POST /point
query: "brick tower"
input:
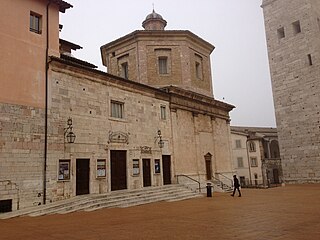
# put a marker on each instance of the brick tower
(293, 39)
(159, 58)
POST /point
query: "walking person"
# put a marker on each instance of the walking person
(236, 186)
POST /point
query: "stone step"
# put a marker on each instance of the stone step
(120, 198)
(116, 196)
(145, 200)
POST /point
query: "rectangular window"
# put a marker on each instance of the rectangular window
(252, 146)
(64, 170)
(136, 168)
(163, 65)
(157, 165)
(35, 23)
(280, 33)
(198, 70)
(5, 205)
(117, 109)
(254, 162)
(238, 143)
(240, 162)
(296, 27)
(310, 60)
(125, 70)
(101, 168)
(163, 112)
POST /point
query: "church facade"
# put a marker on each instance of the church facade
(78, 130)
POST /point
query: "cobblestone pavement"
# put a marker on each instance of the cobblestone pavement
(291, 212)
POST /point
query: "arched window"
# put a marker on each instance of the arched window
(252, 146)
(274, 149)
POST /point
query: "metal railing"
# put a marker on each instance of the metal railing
(190, 178)
(225, 177)
(222, 184)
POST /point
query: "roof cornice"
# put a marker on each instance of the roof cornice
(141, 34)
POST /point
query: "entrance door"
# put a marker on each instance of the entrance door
(82, 177)
(146, 172)
(166, 165)
(118, 164)
(276, 176)
(208, 158)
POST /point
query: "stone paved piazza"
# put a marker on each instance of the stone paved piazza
(291, 212)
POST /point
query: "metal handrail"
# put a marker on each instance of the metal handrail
(223, 185)
(182, 175)
(226, 178)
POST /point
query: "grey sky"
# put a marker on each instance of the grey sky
(235, 27)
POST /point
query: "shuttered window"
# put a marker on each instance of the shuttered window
(117, 109)
(163, 65)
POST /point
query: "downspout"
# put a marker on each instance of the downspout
(46, 108)
(248, 160)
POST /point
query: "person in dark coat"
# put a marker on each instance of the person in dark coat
(236, 186)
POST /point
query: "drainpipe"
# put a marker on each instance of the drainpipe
(248, 160)
(46, 108)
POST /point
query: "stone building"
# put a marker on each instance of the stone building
(293, 39)
(256, 156)
(67, 129)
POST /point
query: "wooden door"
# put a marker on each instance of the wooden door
(208, 158)
(166, 166)
(146, 172)
(118, 165)
(276, 176)
(82, 176)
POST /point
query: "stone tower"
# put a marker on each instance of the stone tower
(159, 58)
(293, 39)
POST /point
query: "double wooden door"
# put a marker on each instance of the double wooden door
(166, 166)
(118, 164)
(146, 172)
(82, 176)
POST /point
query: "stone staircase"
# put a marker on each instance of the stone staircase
(121, 198)
(221, 187)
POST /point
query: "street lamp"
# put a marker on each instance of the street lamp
(68, 133)
(160, 142)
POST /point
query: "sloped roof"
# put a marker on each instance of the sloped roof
(62, 5)
(77, 61)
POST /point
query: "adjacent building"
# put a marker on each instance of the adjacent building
(68, 129)
(293, 39)
(256, 156)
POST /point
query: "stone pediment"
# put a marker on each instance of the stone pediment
(145, 149)
(118, 137)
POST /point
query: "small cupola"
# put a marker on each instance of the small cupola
(154, 21)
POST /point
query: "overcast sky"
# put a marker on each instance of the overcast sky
(235, 27)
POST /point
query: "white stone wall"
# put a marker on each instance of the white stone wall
(87, 101)
(85, 97)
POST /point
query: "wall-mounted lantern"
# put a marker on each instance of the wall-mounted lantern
(160, 142)
(68, 133)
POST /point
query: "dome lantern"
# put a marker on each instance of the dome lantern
(154, 21)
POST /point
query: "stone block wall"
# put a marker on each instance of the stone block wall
(293, 39)
(87, 99)
(21, 154)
